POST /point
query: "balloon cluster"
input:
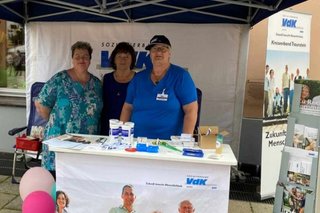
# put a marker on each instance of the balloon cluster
(38, 191)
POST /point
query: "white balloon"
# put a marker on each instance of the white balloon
(35, 179)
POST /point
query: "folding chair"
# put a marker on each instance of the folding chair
(24, 145)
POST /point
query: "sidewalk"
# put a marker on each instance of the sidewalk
(10, 201)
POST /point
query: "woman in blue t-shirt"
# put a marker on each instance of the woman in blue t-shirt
(161, 101)
(115, 84)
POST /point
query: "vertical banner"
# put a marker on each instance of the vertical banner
(287, 60)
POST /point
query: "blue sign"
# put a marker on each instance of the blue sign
(142, 59)
(289, 23)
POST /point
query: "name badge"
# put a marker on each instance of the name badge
(162, 96)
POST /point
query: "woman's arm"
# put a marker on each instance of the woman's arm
(43, 111)
(190, 117)
(126, 112)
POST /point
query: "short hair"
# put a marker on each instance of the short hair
(123, 47)
(271, 71)
(65, 195)
(185, 201)
(126, 186)
(81, 45)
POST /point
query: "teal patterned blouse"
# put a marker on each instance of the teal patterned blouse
(75, 109)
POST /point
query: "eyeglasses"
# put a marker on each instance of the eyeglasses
(162, 49)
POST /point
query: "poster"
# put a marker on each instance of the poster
(104, 182)
(94, 178)
(273, 141)
(287, 60)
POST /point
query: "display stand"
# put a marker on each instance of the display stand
(297, 187)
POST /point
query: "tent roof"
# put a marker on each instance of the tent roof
(144, 11)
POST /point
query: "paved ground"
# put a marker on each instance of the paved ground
(10, 201)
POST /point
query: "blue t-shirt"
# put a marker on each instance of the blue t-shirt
(157, 109)
(114, 95)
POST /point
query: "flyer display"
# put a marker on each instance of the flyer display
(296, 188)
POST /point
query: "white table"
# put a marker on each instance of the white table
(93, 179)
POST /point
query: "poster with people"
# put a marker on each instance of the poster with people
(287, 60)
(111, 183)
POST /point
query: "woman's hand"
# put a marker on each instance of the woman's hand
(43, 111)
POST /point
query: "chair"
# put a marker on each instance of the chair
(199, 95)
(277, 107)
(23, 144)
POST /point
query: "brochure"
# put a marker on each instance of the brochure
(305, 137)
(294, 198)
(310, 97)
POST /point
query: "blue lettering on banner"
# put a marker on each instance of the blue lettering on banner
(105, 59)
(143, 59)
(289, 23)
(198, 181)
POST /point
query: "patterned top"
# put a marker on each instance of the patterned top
(75, 109)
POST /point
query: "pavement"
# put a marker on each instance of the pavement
(10, 201)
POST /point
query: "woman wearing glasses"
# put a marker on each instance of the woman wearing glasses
(71, 101)
(161, 101)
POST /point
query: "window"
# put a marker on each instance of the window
(12, 60)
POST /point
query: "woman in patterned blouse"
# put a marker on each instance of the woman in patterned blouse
(71, 101)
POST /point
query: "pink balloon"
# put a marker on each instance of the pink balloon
(38, 202)
(35, 179)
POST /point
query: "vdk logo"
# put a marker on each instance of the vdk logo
(289, 23)
(197, 181)
(142, 59)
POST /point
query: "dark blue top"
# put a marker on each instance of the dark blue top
(114, 95)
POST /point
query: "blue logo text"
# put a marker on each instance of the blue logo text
(289, 23)
(198, 181)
